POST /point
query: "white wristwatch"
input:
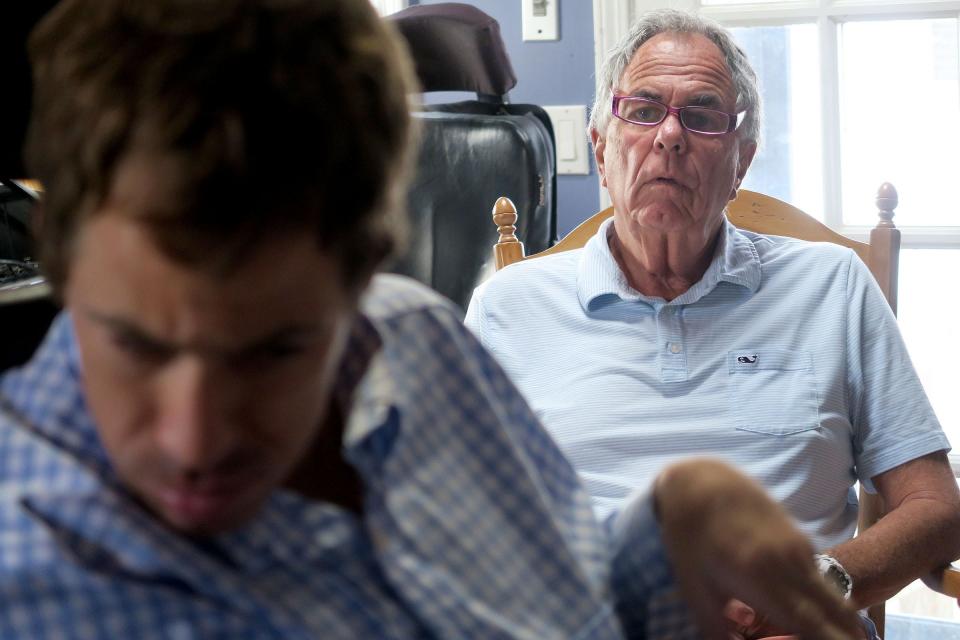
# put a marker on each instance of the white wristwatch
(834, 573)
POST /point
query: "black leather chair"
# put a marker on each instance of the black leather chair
(472, 151)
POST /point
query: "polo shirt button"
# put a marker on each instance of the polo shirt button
(675, 347)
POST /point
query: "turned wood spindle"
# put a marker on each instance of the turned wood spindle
(508, 248)
(884, 260)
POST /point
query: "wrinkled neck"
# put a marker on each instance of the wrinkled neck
(663, 265)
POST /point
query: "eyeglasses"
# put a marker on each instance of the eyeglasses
(649, 113)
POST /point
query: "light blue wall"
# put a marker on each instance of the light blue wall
(553, 73)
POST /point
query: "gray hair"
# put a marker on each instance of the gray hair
(673, 21)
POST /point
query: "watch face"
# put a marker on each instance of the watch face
(838, 578)
(835, 574)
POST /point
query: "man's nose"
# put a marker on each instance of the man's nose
(671, 136)
(194, 428)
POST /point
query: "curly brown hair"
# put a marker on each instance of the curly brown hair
(279, 115)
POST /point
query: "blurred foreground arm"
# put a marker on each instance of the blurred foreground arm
(725, 540)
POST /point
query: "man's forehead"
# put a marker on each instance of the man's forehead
(286, 284)
(212, 344)
(671, 56)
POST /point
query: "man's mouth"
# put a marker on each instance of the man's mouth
(188, 506)
(665, 181)
(204, 502)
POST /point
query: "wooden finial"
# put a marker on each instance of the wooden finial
(508, 248)
(505, 217)
(885, 245)
(887, 201)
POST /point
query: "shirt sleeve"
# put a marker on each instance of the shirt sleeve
(482, 520)
(472, 319)
(646, 598)
(892, 418)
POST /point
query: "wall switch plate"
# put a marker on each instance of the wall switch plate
(540, 19)
(570, 133)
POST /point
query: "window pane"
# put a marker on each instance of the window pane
(916, 599)
(927, 314)
(900, 118)
(386, 7)
(789, 163)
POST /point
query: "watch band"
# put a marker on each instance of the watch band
(834, 573)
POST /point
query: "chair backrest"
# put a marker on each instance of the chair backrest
(471, 151)
(770, 216)
(750, 210)
(457, 47)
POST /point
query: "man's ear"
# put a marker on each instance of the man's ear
(599, 146)
(747, 150)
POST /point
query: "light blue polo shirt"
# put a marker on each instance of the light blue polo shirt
(785, 360)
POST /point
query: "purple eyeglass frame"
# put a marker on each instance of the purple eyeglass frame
(733, 119)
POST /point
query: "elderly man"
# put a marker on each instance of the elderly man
(673, 333)
(235, 431)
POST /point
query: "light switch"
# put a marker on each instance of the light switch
(570, 133)
(566, 149)
(540, 19)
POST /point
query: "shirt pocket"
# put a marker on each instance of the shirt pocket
(773, 391)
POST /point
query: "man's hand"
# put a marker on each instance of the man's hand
(727, 540)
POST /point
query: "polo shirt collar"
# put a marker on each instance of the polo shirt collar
(600, 279)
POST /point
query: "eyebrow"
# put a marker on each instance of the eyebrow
(705, 100)
(649, 95)
(708, 100)
(119, 325)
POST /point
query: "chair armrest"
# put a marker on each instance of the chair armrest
(945, 581)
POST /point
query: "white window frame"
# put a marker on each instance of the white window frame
(386, 7)
(612, 19)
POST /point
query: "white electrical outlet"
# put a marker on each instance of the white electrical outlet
(540, 19)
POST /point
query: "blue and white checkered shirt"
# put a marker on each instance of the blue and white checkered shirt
(474, 524)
